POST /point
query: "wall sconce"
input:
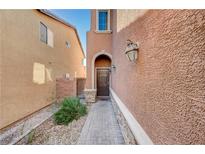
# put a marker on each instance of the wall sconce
(131, 50)
(113, 67)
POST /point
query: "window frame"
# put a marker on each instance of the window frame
(46, 42)
(97, 20)
(68, 44)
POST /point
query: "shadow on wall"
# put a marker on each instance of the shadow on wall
(41, 74)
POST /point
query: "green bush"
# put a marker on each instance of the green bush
(71, 109)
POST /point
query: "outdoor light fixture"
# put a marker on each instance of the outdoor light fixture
(131, 50)
(113, 67)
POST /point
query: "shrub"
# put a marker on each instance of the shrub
(70, 110)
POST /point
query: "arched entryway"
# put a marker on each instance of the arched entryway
(102, 64)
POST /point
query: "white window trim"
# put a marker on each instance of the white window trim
(103, 31)
(97, 26)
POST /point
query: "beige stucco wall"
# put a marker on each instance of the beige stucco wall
(96, 42)
(29, 67)
(125, 17)
(166, 84)
(0, 65)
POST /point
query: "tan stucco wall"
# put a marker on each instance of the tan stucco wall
(0, 66)
(30, 67)
(96, 42)
(125, 17)
(166, 85)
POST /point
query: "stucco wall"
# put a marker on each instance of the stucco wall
(167, 83)
(125, 17)
(30, 67)
(96, 42)
(0, 65)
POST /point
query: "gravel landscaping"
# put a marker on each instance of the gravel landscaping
(48, 133)
(126, 132)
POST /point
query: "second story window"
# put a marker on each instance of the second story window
(67, 43)
(103, 20)
(46, 35)
(43, 33)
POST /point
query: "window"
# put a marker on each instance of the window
(43, 33)
(67, 43)
(46, 35)
(103, 20)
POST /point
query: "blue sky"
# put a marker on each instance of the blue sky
(79, 18)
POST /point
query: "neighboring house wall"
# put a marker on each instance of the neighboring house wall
(29, 66)
(96, 42)
(166, 91)
(0, 65)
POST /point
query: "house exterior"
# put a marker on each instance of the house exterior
(161, 94)
(36, 48)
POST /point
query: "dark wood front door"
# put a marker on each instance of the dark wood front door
(103, 82)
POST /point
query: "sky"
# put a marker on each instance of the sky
(80, 18)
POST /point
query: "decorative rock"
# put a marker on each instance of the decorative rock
(90, 95)
(16, 132)
(126, 132)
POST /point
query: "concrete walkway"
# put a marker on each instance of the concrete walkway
(101, 126)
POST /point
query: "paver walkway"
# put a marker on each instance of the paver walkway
(101, 126)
